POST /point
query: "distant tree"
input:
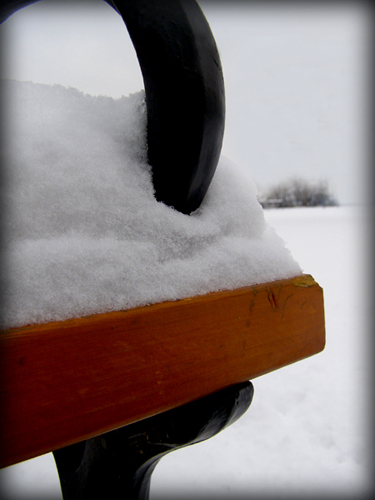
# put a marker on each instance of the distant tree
(298, 193)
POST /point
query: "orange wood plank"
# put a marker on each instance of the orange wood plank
(66, 381)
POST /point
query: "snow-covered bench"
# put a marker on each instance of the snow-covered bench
(110, 393)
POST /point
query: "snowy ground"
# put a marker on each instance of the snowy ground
(307, 431)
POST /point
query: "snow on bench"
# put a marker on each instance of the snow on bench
(84, 232)
(85, 238)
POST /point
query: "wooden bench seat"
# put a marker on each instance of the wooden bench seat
(68, 381)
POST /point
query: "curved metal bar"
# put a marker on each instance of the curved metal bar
(184, 93)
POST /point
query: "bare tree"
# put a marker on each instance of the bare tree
(298, 193)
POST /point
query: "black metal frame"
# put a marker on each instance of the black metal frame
(119, 464)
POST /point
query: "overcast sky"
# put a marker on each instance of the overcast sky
(295, 77)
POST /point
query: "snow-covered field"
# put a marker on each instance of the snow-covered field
(307, 432)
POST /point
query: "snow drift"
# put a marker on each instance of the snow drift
(83, 232)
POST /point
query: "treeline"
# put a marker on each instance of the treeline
(297, 193)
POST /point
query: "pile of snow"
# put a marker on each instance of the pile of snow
(83, 232)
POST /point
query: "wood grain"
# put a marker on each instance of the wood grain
(66, 381)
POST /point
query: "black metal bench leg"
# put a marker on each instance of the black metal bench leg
(119, 464)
